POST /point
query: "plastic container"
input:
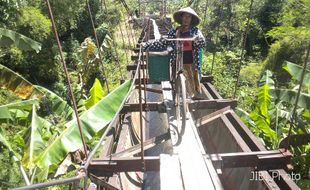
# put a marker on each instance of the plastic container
(158, 66)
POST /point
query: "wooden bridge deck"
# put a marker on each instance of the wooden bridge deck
(192, 170)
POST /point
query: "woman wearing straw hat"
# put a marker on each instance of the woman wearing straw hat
(188, 20)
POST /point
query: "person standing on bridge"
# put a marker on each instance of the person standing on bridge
(192, 50)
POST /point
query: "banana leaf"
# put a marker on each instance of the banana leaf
(289, 96)
(264, 98)
(14, 82)
(92, 121)
(296, 72)
(35, 143)
(9, 37)
(16, 109)
(96, 94)
(59, 105)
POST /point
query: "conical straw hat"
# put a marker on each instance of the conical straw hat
(177, 16)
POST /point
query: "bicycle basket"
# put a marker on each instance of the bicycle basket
(159, 66)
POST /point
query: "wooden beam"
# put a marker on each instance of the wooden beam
(206, 79)
(150, 106)
(102, 167)
(201, 122)
(147, 81)
(211, 104)
(133, 67)
(147, 145)
(101, 182)
(261, 160)
(136, 57)
(212, 91)
(150, 89)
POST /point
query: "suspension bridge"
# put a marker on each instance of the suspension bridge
(144, 147)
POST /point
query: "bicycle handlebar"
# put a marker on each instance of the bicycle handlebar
(180, 39)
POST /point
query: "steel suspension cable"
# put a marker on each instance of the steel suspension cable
(243, 46)
(98, 45)
(67, 76)
(293, 116)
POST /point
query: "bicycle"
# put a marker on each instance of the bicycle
(178, 79)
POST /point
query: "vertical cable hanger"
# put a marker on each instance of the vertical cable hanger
(98, 45)
(67, 76)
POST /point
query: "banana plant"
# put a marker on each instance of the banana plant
(93, 121)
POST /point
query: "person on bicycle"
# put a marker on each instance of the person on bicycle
(188, 20)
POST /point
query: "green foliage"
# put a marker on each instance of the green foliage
(34, 24)
(281, 51)
(295, 22)
(96, 94)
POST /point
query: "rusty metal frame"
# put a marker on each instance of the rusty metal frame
(150, 106)
(151, 89)
(212, 91)
(206, 79)
(147, 145)
(101, 182)
(106, 167)
(238, 129)
(133, 67)
(260, 160)
(211, 104)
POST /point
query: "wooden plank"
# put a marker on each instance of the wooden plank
(206, 92)
(187, 145)
(170, 173)
(212, 91)
(150, 106)
(133, 67)
(211, 104)
(206, 78)
(235, 134)
(147, 144)
(102, 182)
(262, 160)
(202, 122)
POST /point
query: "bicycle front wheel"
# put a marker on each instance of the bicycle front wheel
(181, 104)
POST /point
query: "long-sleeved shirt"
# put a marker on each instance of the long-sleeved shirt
(162, 44)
